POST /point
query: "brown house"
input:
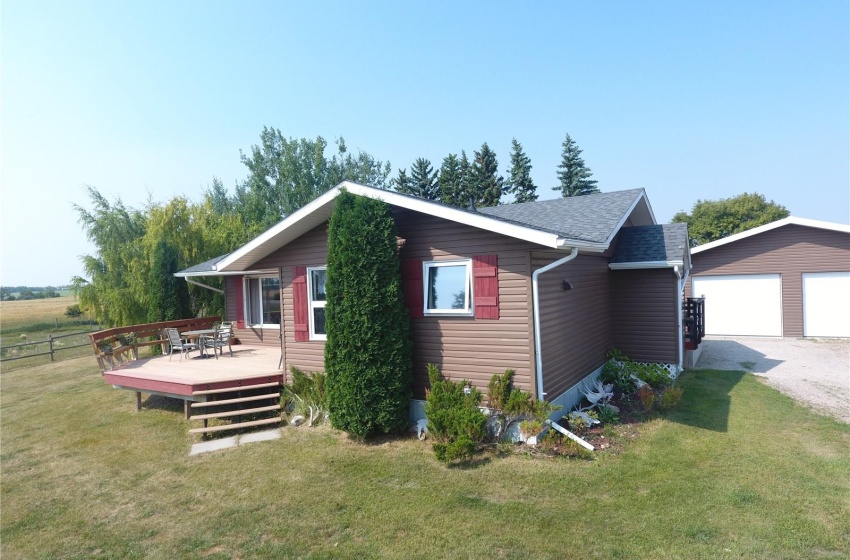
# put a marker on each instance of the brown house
(787, 278)
(545, 288)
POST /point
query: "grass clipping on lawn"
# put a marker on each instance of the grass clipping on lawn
(737, 470)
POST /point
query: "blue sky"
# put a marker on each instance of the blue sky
(153, 99)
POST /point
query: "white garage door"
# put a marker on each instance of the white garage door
(745, 304)
(826, 304)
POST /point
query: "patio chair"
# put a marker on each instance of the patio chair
(177, 344)
(221, 339)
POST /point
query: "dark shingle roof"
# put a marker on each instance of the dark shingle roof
(665, 242)
(591, 217)
(206, 266)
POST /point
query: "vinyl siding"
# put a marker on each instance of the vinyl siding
(576, 325)
(257, 337)
(646, 315)
(790, 251)
(465, 347)
(311, 249)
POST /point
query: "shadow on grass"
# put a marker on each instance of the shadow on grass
(706, 401)
(159, 402)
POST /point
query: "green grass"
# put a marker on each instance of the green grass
(737, 471)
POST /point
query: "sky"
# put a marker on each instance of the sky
(148, 100)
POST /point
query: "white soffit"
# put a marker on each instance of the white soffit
(319, 211)
(790, 220)
(645, 265)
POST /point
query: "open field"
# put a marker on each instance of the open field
(737, 471)
(17, 314)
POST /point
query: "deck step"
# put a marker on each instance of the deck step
(224, 427)
(239, 400)
(235, 412)
(234, 389)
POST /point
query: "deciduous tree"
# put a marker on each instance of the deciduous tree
(710, 220)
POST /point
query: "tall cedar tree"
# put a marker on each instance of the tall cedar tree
(169, 295)
(573, 174)
(449, 181)
(710, 220)
(368, 353)
(519, 182)
(403, 183)
(424, 180)
(487, 184)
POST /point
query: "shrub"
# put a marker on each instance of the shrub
(608, 415)
(73, 311)
(669, 397)
(614, 372)
(509, 405)
(647, 397)
(306, 395)
(455, 421)
(368, 351)
(579, 422)
(654, 374)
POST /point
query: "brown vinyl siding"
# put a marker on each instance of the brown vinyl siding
(646, 315)
(577, 330)
(465, 347)
(789, 251)
(311, 249)
(248, 335)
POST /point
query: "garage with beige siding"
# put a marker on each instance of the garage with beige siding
(788, 278)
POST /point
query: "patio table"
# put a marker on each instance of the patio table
(199, 336)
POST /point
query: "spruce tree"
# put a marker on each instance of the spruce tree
(403, 183)
(368, 353)
(573, 174)
(488, 185)
(423, 179)
(519, 181)
(466, 180)
(168, 296)
(449, 181)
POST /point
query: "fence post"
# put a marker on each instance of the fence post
(50, 343)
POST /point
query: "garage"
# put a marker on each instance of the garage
(787, 278)
(826, 304)
(741, 304)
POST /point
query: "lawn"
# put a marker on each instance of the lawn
(737, 471)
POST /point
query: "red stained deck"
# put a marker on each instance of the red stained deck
(249, 365)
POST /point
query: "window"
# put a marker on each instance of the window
(448, 287)
(262, 302)
(317, 299)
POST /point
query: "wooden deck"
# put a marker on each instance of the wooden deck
(192, 376)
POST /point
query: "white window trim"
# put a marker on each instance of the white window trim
(469, 310)
(311, 305)
(246, 288)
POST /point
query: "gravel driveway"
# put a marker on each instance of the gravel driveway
(814, 372)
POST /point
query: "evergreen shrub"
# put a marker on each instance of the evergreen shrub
(455, 421)
(368, 353)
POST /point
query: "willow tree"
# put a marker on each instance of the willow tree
(368, 353)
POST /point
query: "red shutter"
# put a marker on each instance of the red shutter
(299, 304)
(411, 275)
(485, 273)
(239, 288)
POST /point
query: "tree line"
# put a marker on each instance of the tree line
(7, 293)
(463, 182)
(129, 278)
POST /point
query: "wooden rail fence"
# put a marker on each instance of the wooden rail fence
(51, 351)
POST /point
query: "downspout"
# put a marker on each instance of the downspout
(535, 296)
(681, 291)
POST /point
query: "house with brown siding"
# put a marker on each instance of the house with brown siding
(788, 278)
(544, 288)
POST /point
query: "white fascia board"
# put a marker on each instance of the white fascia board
(646, 264)
(230, 273)
(790, 220)
(257, 248)
(641, 196)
